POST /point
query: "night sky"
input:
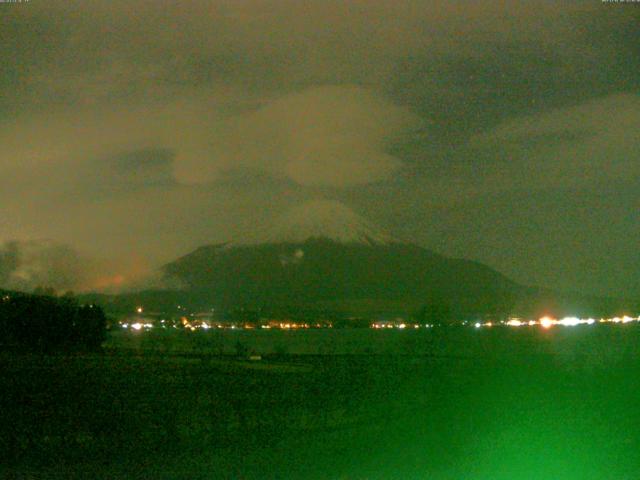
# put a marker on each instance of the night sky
(507, 132)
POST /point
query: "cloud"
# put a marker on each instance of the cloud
(27, 265)
(325, 136)
(596, 142)
(93, 52)
(330, 136)
(30, 264)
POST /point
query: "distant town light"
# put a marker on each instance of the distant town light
(570, 321)
(198, 323)
(547, 322)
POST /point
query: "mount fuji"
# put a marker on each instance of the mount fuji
(324, 254)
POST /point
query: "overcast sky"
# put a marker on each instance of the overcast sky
(504, 131)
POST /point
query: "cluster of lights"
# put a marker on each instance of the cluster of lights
(294, 325)
(548, 322)
(286, 325)
(193, 326)
(137, 326)
(399, 326)
(202, 325)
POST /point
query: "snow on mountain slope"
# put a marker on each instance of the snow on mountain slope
(323, 219)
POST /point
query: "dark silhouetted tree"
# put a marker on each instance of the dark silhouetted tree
(91, 326)
(46, 323)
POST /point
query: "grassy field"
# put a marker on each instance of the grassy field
(563, 406)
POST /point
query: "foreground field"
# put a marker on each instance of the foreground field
(500, 405)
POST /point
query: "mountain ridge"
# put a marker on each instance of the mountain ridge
(323, 277)
(320, 269)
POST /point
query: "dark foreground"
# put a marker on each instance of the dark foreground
(567, 411)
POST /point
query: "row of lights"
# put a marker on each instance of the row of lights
(206, 326)
(545, 322)
(401, 326)
(548, 322)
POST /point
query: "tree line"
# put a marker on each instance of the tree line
(49, 323)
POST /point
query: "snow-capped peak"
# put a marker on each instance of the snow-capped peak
(323, 219)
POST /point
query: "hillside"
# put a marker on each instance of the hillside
(324, 271)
